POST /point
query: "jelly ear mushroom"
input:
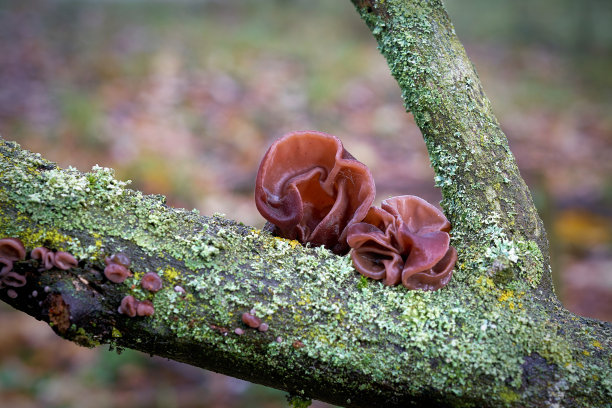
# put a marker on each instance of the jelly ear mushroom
(12, 249)
(129, 306)
(145, 308)
(64, 260)
(151, 282)
(312, 189)
(116, 269)
(45, 256)
(407, 241)
(118, 258)
(116, 273)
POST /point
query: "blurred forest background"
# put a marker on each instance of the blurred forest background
(184, 97)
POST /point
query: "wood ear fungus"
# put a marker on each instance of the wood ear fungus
(312, 189)
(116, 269)
(12, 249)
(407, 241)
(151, 282)
(129, 306)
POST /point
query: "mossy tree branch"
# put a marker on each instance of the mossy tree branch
(495, 336)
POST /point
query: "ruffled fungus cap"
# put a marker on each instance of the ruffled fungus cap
(312, 189)
(407, 241)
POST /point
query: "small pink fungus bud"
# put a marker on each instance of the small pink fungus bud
(238, 331)
(11, 293)
(250, 320)
(179, 289)
(128, 306)
(116, 273)
(145, 308)
(263, 327)
(151, 282)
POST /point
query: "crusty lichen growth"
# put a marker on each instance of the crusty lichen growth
(468, 344)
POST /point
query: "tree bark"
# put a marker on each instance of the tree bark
(495, 336)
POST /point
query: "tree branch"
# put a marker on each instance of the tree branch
(495, 336)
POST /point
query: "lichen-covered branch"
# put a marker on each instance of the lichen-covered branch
(332, 335)
(495, 336)
(496, 227)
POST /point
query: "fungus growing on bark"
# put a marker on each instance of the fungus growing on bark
(145, 308)
(12, 249)
(13, 279)
(407, 241)
(151, 282)
(64, 260)
(129, 306)
(116, 269)
(312, 189)
(118, 258)
(45, 256)
(6, 265)
(251, 320)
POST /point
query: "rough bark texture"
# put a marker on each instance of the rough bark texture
(495, 336)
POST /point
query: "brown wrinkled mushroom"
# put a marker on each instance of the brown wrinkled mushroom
(12, 248)
(151, 282)
(312, 189)
(129, 306)
(116, 273)
(145, 308)
(407, 241)
(45, 256)
(64, 260)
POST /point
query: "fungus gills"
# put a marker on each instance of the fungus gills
(312, 189)
(407, 241)
(151, 282)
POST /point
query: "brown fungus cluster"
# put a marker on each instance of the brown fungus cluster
(253, 322)
(407, 241)
(49, 259)
(312, 189)
(11, 250)
(131, 307)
